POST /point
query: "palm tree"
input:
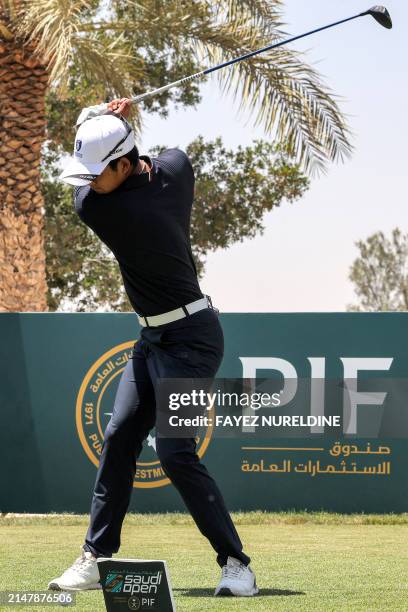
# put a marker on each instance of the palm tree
(88, 50)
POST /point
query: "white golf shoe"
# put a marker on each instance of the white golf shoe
(83, 575)
(236, 579)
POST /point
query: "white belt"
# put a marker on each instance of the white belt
(175, 315)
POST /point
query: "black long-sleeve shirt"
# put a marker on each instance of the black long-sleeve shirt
(146, 225)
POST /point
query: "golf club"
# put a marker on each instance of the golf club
(380, 14)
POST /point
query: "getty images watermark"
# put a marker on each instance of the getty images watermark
(277, 408)
(199, 398)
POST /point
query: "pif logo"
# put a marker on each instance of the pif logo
(78, 144)
(94, 406)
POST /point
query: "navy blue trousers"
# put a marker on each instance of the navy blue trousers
(190, 347)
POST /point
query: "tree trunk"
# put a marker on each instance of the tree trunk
(23, 84)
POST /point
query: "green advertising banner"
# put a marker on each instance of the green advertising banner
(59, 375)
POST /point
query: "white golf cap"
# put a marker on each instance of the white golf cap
(97, 142)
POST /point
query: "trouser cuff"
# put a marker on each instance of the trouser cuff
(95, 552)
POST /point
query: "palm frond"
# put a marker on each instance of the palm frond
(8, 8)
(55, 27)
(7, 15)
(266, 14)
(104, 59)
(282, 93)
(52, 26)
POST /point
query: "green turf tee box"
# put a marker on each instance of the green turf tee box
(135, 584)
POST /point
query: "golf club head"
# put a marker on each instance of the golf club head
(381, 15)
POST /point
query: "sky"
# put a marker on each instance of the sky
(302, 261)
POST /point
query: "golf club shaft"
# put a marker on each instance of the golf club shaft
(203, 73)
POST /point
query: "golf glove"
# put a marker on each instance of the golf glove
(92, 111)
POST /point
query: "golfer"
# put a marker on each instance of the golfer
(140, 208)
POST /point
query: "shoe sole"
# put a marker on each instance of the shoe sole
(224, 592)
(53, 586)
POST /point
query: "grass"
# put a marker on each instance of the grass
(303, 561)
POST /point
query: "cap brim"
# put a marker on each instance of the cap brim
(79, 174)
